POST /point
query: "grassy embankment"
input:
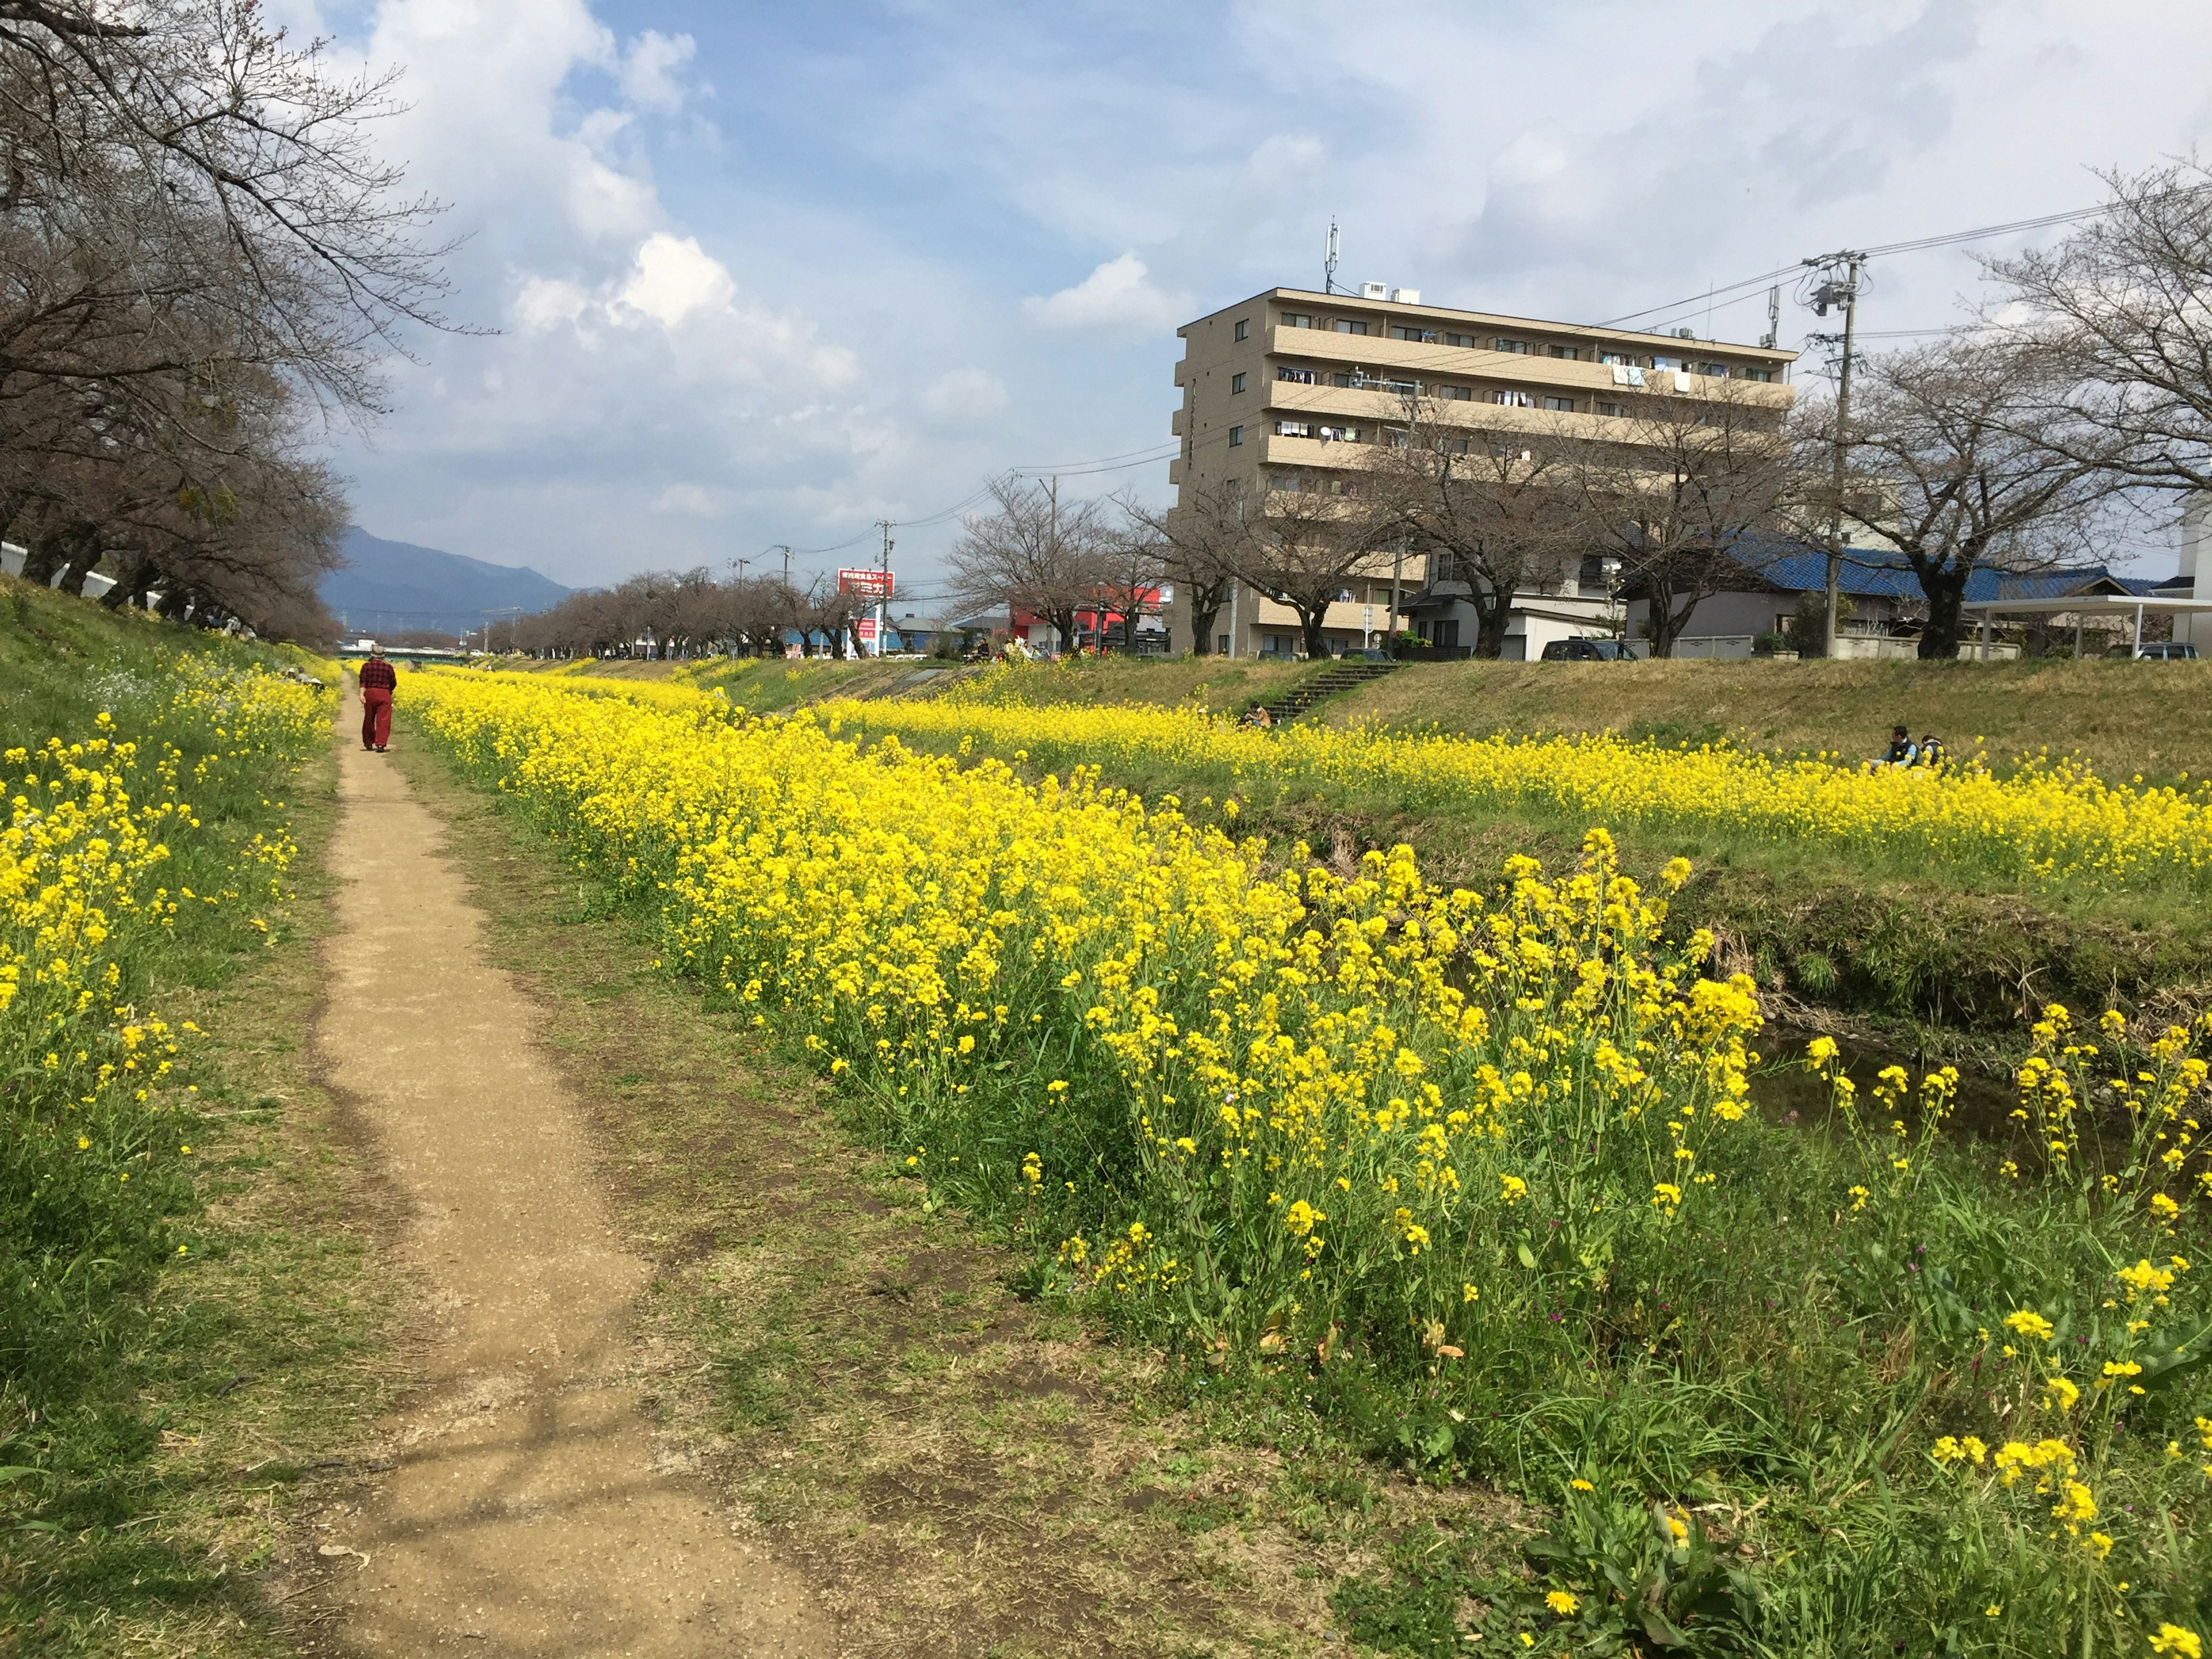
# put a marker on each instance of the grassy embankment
(954, 1466)
(1908, 942)
(1795, 1349)
(191, 1338)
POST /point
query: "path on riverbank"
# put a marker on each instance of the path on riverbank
(523, 1513)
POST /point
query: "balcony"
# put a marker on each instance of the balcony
(1384, 359)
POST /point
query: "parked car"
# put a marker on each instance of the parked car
(1589, 651)
(2169, 651)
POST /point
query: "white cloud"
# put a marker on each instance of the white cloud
(1120, 295)
(649, 71)
(965, 395)
(676, 278)
(683, 501)
(544, 301)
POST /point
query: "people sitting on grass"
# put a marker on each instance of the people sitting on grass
(1257, 715)
(1902, 751)
(1926, 754)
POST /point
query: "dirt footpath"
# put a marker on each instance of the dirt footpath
(523, 1514)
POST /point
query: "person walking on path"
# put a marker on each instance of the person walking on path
(379, 680)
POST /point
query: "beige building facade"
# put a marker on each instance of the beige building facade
(1296, 390)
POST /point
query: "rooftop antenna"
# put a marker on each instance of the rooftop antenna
(1773, 317)
(1329, 265)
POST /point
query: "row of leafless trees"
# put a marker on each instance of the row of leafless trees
(2082, 393)
(690, 614)
(202, 260)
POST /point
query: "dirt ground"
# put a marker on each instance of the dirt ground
(525, 1511)
(700, 1374)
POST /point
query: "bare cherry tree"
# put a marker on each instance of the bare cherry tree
(1495, 509)
(1204, 542)
(1682, 477)
(2123, 304)
(1965, 454)
(1030, 554)
(1131, 565)
(1312, 537)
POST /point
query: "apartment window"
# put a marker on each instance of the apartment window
(1621, 357)
(1244, 327)
(1236, 383)
(1569, 353)
(1560, 405)
(1338, 434)
(1759, 374)
(1223, 640)
(1611, 409)
(1667, 362)
(1517, 347)
(1458, 394)
(1343, 487)
(1294, 429)
(1465, 340)
(1350, 325)
(1297, 320)
(1451, 445)
(1339, 379)
(1296, 376)
(1236, 436)
(1399, 333)
(1714, 371)
(1394, 437)
(1515, 399)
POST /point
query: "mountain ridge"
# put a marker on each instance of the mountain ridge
(399, 586)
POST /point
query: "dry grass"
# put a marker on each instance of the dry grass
(2125, 717)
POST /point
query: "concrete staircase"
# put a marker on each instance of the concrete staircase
(1341, 676)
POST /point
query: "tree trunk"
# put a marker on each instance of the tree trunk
(132, 585)
(80, 566)
(1491, 622)
(47, 554)
(1309, 622)
(1946, 588)
(1201, 625)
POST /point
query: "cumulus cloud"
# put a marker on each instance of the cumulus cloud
(965, 395)
(1118, 296)
(676, 278)
(649, 72)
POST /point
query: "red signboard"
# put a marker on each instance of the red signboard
(876, 584)
(866, 627)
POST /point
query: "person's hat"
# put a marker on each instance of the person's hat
(378, 650)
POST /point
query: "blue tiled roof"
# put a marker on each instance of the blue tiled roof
(1797, 567)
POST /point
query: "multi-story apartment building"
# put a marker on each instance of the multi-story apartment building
(1296, 389)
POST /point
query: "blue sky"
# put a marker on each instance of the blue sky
(768, 273)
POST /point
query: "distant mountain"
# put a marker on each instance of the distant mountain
(395, 587)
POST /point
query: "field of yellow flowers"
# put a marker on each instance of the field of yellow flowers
(2045, 826)
(134, 845)
(1475, 1177)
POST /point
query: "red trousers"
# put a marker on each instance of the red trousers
(375, 717)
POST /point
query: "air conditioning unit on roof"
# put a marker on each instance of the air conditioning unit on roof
(1406, 296)
(1375, 290)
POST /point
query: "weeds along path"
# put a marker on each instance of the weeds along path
(524, 1513)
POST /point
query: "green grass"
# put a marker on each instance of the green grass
(1774, 1372)
(162, 1410)
(1903, 943)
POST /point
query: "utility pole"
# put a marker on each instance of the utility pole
(1052, 551)
(882, 598)
(1397, 571)
(1845, 293)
